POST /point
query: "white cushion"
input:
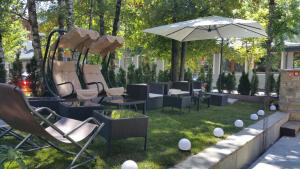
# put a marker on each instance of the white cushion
(154, 95)
(177, 92)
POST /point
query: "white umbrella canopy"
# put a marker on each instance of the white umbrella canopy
(211, 27)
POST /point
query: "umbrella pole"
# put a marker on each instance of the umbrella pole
(221, 67)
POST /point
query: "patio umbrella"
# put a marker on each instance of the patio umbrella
(211, 27)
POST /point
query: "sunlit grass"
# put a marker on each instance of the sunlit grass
(165, 130)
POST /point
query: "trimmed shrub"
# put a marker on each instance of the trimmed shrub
(208, 79)
(272, 83)
(139, 76)
(164, 76)
(221, 82)
(254, 83)
(244, 85)
(121, 78)
(188, 75)
(230, 82)
(278, 84)
(201, 75)
(16, 71)
(153, 73)
(111, 78)
(131, 74)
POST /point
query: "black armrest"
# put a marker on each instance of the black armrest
(97, 84)
(138, 91)
(73, 90)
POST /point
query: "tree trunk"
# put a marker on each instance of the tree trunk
(91, 14)
(70, 14)
(174, 62)
(102, 25)
(116, 27)
(182, 61)
(61, 24)
(117, 18)
(269, 41)
(36, 42)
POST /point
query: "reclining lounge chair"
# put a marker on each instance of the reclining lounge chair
(67, 82)
(94, 80)
(17, 113)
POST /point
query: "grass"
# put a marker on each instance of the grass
(165, 129)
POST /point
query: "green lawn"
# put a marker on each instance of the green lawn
(165, 130)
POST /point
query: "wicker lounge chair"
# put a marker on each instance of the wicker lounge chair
(67, 82)
(17, 113)
(94, 80)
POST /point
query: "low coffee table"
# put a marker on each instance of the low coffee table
(120, 103)
(218, 99)
(79, 110)
(177, 101)
(122, 124)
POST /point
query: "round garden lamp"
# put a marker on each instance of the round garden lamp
(261, 112)
(184, 144)
(254, 117)
(129, 164)
(273, 107)
(218, 132)
(239, 123)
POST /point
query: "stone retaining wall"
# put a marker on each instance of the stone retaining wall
(241, 149)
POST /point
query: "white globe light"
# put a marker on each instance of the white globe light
(184, 144)
(218, 132)
(261, 112)
(254, 117)
(239, 123)
(129, 164)
(273, 107)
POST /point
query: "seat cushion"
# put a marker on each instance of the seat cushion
(87, 94)
(66, 125)
(154, 95)
(117, 91)
(177, 92)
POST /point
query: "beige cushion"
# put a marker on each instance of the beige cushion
(86, 94)
(66, 72)
(116, 91)
(92, 73)
(66, 125)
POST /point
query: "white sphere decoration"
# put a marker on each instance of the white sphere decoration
(261, 112)
(273, 107)
(254, 117)
(218, 132)
(184, 144)
(239, 123)
(129, 164)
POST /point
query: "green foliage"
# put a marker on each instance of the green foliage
(221, 82)
(254, 83)
(164, 76)
(111, 78)
(208, 79)
(9, 155)
(147, 73)
(244, 85)
(121, 78)
(230, 82)
(16, 71)
(201, 76)
(2, 72)
(131, 74)
(188, 75)
(139, 76)
(34, 77)
(272, 83)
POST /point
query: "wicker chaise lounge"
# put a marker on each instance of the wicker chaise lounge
(17, 113)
